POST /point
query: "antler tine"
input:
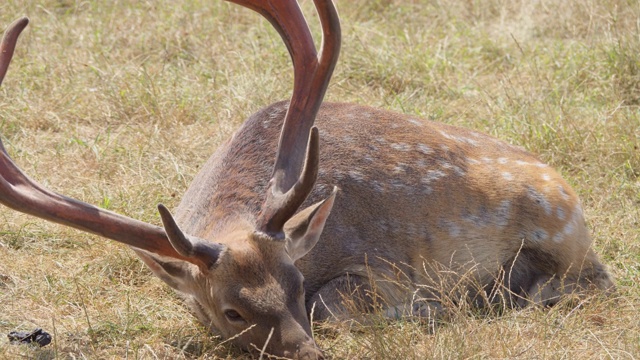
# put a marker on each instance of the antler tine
(9, 44)
(20, 193)
(294, 173)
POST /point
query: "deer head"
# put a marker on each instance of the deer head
(242, 281)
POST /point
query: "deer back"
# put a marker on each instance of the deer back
(411, 191)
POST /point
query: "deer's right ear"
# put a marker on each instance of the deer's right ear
(303, 230)
(174, 273)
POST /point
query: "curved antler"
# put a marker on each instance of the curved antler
(9, 44)
(20, 193)
(296, 166)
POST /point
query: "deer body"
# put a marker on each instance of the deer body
(414, 194)
(424, 210)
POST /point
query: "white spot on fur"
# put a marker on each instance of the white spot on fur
(561, 213)
(469, 141)
(503, 213)
(454, 230)
(401, 146)
(451, 227)
(398, 184)
(400, 168)
(415, 122)
(483, 216)
(356, 176)
(571, 226)
(487, 160)
(444, 147)
(377, 186)
(546, 177)
(502, 160)
(424, 149)
(507, 176)
(433, 175)
(458, 170)
(473, 161)
(447, 136)
(320, 188)
(539, 199)
(380, 140)
(382, 225)
(460, 139)
(539, 235)
(563, 193)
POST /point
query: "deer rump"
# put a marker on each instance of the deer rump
(416, 197)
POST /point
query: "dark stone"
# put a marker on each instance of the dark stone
(38, 336)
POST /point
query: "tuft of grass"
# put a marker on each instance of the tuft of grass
(119, 104)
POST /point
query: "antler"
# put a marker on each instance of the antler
(296, 167)
(20, 193)
(9, 44)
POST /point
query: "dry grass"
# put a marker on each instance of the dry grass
(119, 104)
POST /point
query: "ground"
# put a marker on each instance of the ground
(119, 103)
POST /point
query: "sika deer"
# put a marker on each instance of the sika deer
(415, 198)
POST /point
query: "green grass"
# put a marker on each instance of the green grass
(119, 103)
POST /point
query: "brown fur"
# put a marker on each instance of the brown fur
(413, 192)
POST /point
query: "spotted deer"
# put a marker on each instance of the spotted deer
(416, 207)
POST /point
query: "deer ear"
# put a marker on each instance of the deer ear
(303, 230)
(173, 272)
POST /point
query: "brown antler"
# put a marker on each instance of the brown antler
(296, 166)
(9, 44)
(19, 192)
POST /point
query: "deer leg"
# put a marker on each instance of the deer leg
(423, 311)
(547, 290)
(349, 297)
(343, 298)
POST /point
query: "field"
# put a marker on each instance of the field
(119, 103)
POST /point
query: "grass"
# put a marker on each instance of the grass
(119, 103)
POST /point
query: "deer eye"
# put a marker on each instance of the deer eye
(233, 316)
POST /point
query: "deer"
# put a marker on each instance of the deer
(393, 213)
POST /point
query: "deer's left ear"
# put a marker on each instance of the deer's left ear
(303, 230)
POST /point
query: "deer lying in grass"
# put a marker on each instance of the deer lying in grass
(257, 253)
